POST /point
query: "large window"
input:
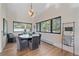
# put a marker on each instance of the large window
(20, 26)
(56, 25)
(45, 26)
(53, 25)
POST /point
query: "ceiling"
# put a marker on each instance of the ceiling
(20, 10)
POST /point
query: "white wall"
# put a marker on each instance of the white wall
(2, 38)
(0, 29)
(68, 13)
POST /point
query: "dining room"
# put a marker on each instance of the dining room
(39, 29)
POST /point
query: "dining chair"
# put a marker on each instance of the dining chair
(39, 38)
(20, 34)
(11, 38)
(21, 43)
(34, 42)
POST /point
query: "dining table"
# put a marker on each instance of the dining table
(27, 36)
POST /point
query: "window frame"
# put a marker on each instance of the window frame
(22, 23)
(38, 26)
(49, 25)
(5, 27)
(56, 18)
(51, 31)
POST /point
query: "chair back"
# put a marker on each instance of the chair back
(40, 36)
(20, 34)
(10, 35)
(18, 40)
(35, 42)
(35, 39)
(22, 43)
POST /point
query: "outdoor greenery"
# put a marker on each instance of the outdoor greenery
(53, 25)
(56, 26)
(18, 26)
(45, 26)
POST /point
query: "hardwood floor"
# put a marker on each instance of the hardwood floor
(44, 49)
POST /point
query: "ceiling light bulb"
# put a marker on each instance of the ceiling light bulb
(30, 12)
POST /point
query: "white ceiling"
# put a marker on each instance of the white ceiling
(20, 10)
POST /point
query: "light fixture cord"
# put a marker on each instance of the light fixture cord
(31, 5)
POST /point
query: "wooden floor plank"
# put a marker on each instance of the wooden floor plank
(44, 49)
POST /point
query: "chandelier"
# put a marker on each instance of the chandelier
(31, 11)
